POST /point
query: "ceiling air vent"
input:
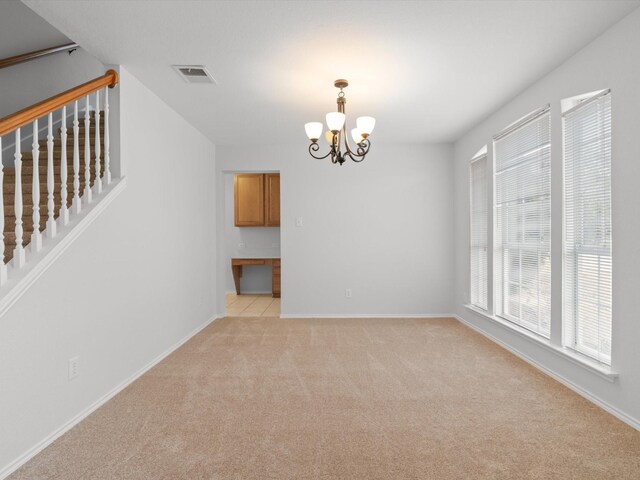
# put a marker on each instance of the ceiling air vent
(194, 73)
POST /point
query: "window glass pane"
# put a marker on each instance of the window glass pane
(587, 218)
(523, 224)
(479, 227)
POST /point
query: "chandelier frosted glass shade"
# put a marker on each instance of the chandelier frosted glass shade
(314, 130)
(335, 121)
(336, 136)
(365, 125)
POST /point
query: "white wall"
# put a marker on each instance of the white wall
(611, 61)
(259, 242)
(22, 31)
(137, 281)
(383, 228)
(27, 83)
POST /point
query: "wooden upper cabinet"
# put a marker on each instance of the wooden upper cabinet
(257, 199)
(249, 200)
(272, 200)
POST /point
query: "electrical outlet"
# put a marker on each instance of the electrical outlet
(299, 222)
(74, 367)
(241, 246)
(348, 293)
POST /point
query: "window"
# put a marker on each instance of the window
(479, 221)
(523, 222)
(587, 225)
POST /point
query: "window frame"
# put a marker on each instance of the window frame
(479, 157)
(499, 248)
(570, 322)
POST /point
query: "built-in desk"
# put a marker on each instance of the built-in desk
(237, 264)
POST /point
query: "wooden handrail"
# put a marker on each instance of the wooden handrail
(19, 119)
(25, 57)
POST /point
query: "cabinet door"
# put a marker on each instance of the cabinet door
(249, 200)
(272, 203)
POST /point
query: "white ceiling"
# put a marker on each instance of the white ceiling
(428, 71)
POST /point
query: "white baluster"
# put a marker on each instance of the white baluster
(87, 153)
(64, 194)
(107, 171)
(19, 258)
(51, 222)
(3, 267)
(97, 183)
(36, 236)
(77, 203)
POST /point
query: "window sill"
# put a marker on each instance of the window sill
(592, 366)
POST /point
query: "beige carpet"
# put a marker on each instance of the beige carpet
(265, 398)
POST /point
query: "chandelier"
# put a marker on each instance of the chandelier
(336, 136)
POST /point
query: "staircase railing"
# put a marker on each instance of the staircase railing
(26, 57)
(21, 214)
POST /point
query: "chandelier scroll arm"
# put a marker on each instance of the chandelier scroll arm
(314, 147)
(361, 150)
(358, 154)
(354, 157)
(363, 147)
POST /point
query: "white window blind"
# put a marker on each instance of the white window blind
(523, 222)
(587, 217)
(479, 220)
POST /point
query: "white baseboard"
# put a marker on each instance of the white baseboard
(367, 315)
(629, 420)
(33, 451)
(21, 280)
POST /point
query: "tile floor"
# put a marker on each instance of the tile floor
(252, 305)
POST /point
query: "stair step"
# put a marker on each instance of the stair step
(42, 141)
(70, 141)
(27, 180)
(27, 171)
(27, 211)
(10, 238)
(27, 201)
(27, 174)
(9, 231)
(28, 187)
(57, 139)
(9, 180)
(27, 226)
(27, 167)
(27, 192)
(57, 156)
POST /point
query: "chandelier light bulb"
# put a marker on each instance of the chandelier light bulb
(335, 121)
(328, 135)
(356, 134)
(314, 130)
(365, 125)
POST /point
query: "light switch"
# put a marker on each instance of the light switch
(299, 222)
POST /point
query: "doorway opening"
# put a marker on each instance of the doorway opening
(252, 244)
